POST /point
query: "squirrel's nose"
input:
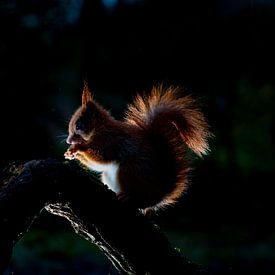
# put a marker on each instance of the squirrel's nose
(69, 140)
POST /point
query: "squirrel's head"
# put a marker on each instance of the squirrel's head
(85, 119)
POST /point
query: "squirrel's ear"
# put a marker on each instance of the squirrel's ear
(86, 95)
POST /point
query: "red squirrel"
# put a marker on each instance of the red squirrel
(142, 157)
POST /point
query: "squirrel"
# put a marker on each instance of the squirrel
(142, 158)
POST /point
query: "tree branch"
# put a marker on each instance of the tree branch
(125, 236)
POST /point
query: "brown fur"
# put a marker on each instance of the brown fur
(149, 145)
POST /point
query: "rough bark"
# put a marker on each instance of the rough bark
(126, 237)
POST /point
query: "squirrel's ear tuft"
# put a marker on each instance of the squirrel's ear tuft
(86, 95)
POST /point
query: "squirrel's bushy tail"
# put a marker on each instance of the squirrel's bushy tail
(165, 108)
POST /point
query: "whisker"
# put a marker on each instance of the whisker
(62, 136)
(62, 141)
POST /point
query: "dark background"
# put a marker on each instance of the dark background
(221, 51)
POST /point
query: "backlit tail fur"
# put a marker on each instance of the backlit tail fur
(165, 107)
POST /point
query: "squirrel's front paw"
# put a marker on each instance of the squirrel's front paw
(70, 154)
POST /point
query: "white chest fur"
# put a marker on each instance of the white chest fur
(108, 174)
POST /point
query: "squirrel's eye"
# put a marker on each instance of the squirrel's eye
(79, 125)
